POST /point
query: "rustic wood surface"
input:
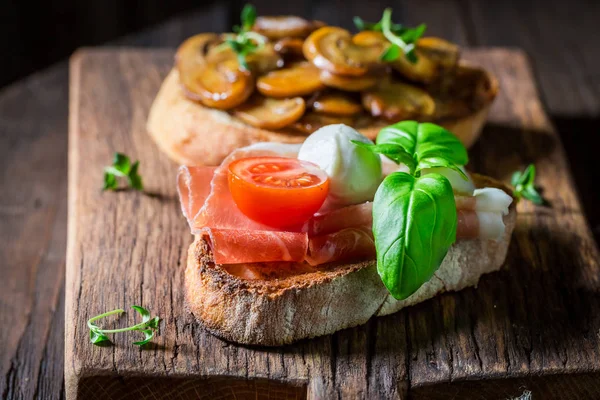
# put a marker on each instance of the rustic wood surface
(536, 318)
(560, 42)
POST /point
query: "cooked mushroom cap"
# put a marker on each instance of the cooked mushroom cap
(434, 55)
(311, 121)
(332, 49)
(336, 103)
(285, 26)
(348, 83)
(297, 80)
(268, 113)
(264, 59)
(289, 47)
(396, 101)
(210, 76)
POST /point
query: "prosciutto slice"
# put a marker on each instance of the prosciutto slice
(334, 234)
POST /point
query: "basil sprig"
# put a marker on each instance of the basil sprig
(148, 326)
(414, 214)
(401, 38)
(122, 168)
(524, 183)
(245, 41)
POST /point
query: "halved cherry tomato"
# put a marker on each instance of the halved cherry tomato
(277, 191)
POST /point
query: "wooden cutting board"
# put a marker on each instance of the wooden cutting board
(533, 326)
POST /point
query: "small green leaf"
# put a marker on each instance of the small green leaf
(143, 312)
(394, 152)
(524, 184)
(412, 35)
(435, 162)
(411, 56)
(391, 53)
(135, 180)
(121, 163)
(122, 168)
(248, 17)
(242, 60)
(359, 23)
(110, 181)
(148, 334)
(516, 178)
(97, 337)
(153, 323)
(530, 193)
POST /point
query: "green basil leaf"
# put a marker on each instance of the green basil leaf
(414, 225)
(392, 151)
(425, 140)
(148, 334)
(391, 53)
(433, 162)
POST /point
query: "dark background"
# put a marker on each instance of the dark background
(561, 38)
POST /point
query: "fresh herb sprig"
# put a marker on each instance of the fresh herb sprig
(148, 326)
(122, 168)
(244, 41)
(414, 214)
(524, 184)
(401, 38)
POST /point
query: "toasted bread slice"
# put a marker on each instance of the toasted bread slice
(192, 134)
(278, 305)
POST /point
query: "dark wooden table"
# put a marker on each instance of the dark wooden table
(561, 42)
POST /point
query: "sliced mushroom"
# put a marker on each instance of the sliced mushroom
(370, 38)
(434, 57)
(470, 89)
(278, 27)
(210, 76)
(311, 121)
(289, 47)
(348, 83)
(264, 59)
(299, 79)
(397, 101)
(268, 113)
(332, 49)
(336, 103)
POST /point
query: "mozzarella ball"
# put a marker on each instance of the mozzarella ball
(354, 172)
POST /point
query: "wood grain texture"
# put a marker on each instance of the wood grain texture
(538, 316)
(32, 235)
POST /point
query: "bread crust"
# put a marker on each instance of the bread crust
(192, 134)
(285, 309)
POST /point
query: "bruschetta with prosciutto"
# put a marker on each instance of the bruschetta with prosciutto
(296, 241)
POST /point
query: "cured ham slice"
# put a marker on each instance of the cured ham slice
(348, 244)
(358, 215)
(246, 246)
(333, 234)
